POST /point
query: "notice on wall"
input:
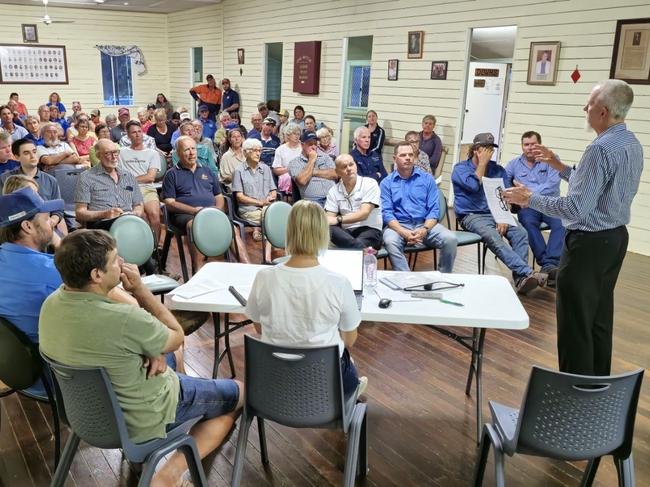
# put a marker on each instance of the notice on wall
(306, 67)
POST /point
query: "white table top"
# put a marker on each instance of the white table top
(489, 301)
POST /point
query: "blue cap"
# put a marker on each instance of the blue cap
(203, 106)
(23, 205)
(307, 136)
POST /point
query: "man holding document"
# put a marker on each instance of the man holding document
(474, 215)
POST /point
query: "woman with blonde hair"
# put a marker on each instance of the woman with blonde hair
(301, 303)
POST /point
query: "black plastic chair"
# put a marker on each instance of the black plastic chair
(233, 211)
(567, 417)
(173, 232)
(300, 388)
(95, 416)
(23, 370)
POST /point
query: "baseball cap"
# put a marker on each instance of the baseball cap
(186, 116)
(23, 205)
(308, 136)
(269, 120)
(284, 113)
(122, 111)
(486, 138)
(203, 106)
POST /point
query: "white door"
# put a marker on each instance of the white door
(484, 104)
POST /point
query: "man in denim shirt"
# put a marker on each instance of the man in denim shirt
(544, 180)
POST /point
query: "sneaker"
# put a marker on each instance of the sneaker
(363, 384)
(542, 278)
(527, 284)
(551, 272)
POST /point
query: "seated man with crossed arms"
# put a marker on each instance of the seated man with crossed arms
(353, 208)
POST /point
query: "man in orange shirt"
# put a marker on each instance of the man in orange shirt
(208, 94)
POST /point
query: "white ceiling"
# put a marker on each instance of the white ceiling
(158, 6)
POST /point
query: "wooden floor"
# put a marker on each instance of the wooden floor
(421, 424)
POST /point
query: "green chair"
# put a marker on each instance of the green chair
(135, 244)
(23, 370)
(274, 227)
(212, 234)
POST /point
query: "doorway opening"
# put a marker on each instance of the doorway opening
(273, 85)
(356, 87)
(196, 72)
(488, 79)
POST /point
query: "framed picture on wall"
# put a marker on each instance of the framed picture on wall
(631, 56)
(543, 62)
(39, 64)
(30, 33)
(240, 56)
(393, 67)
(439, 70)
(415, 44)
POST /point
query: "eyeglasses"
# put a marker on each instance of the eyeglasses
(502, 203)
(254, 150)
(111, 153)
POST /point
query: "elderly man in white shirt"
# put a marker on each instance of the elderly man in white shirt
(353, 208)
(54, 153)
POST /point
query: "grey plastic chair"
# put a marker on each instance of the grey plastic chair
(566, 417)
(95, 416)
(67, 181)
(274, 227)
(23, 370)
(300, 388)
(212, 234)
(135, 244)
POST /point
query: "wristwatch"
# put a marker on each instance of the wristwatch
(339, 219)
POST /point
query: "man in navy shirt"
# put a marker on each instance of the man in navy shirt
(544, 180)
(209, 125)
(410, 209)
(229, 97)
(188, 188)
(6, 162)
(269, 141)
(474, 215)
(369, 163)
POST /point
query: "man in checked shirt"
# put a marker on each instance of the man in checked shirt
(594, 211)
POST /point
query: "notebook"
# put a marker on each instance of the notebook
(348, 263)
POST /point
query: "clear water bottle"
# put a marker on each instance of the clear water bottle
(370, 268)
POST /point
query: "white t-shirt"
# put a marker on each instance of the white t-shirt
(138, 162)
(285, 154)
(303, 307)
(366, 190)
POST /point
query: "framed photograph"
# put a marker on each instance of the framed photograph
(543, 62)
(30, 33)
(393, 67)
(631, 56)
(439, 70)
(416, 41)
(40, 64)
(240, 56)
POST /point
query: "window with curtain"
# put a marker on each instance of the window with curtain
(117, 79)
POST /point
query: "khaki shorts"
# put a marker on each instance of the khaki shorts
(254, 216)
(149, 194)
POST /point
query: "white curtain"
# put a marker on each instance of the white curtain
(133, 52)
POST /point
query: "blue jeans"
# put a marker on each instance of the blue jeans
(515, 255)
(546, 254)
(320, 201)
(438, 237)
(349, 374)
(208, 398)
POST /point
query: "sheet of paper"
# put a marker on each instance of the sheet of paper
(152, 279)
(498, 207)
(409, 279)
(198, 287)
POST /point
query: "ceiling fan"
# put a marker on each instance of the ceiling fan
(47, 20)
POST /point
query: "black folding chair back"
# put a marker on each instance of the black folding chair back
(567, 417)
(95, 416)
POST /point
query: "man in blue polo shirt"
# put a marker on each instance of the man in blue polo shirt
(28, 274)
(188, 188)
(369, 163)
(474, 215)
(269, 141)
(544, 180)
(410, 208)
(209, 125)
(229, 97)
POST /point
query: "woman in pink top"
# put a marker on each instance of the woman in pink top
(84, 139)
